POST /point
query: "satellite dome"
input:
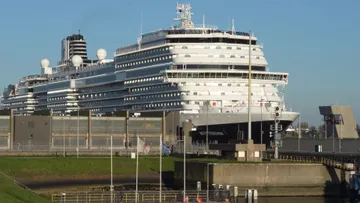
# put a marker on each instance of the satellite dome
(101, 54)
(76, 60)
(44, 63)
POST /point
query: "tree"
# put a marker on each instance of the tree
(358, 129)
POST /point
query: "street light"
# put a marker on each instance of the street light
(341, 122)
(261, 120)
(184, 140)
(299, 133)
(249, 90)
(111, 159)
(208, 182)
(184, 160)
(64, 136)
(207, 125)
(77, 133)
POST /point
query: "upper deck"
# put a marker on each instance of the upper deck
(187, 32)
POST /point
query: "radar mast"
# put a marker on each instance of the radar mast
(184, 15)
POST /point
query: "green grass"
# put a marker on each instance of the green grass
(47, 166)
(22, 167)
(12, 193)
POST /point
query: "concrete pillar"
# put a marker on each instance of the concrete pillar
(89, 131)
(187, 126)
(127, 129)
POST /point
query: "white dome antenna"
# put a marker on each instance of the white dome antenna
(101, 54)
(44, 63)
(76, 61)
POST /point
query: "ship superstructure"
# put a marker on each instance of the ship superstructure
(198, 70)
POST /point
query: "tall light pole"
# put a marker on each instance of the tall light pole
(249, 90)
(207, 126)
(111, 159)
(341, 122)
(184, 140)
(64, 137)
(299, 135)
(261, 121)
(77, 133)
(333, 132)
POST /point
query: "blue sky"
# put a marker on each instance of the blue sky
(317, 42)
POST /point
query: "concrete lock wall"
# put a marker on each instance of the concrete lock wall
(56, 130)
(264, 175)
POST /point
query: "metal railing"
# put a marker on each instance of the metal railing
(71, 150)
(119, 149)
(127, 196)
(344, 161)
(193, 149)
(17, 182)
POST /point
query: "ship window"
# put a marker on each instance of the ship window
(222, 93)
(218, 47)
(238, 48)
(222, 56)
(229, 84)
(219, 84)
(187, 55)
(232, 56)
(228, 47)
(242, 56)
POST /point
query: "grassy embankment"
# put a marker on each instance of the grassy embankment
(12, 193)
(35, 169)
(32, 167)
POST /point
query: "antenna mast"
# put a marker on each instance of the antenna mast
(233, 27)
(140, 37)
(203, 24)
(184, 15)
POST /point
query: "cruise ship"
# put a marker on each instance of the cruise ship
(198, 71)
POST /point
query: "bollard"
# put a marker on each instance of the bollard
(236, 193)
(255, 194)
(248, 194)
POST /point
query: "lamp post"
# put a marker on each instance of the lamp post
(111, 159)
(249, 90)
(77, 133)
(64, 137)
(208, 181)
(341, 122)
(261, 120)
(207, 126)
(299, 135)
(184, 140)
(333, 132)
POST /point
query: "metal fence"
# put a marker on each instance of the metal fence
(198, 148)
(120, 150)
(127, 196)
